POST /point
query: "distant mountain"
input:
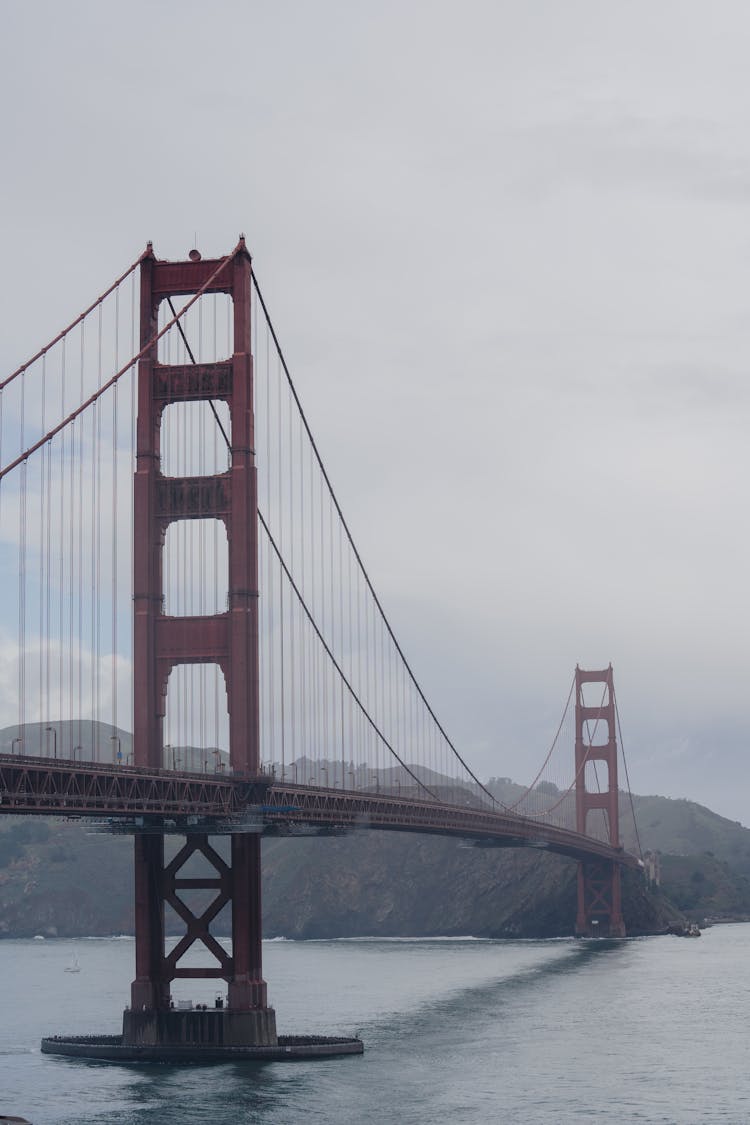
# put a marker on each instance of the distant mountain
(680, 827)
(705, 887)
(84, 740)
(77, 739)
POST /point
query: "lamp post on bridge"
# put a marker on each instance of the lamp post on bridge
(172, 752)
(16, 740)
(54, 736)
(116, 753)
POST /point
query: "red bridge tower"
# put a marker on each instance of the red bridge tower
(599, 895)
(228, 639)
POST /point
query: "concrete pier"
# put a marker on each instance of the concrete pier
(112, 1049)
(196, 1027)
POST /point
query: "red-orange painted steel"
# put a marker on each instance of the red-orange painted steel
(599, 891)
(58, 787)
(331, 808)
(150, 989)
(85, 789)
(229, 639)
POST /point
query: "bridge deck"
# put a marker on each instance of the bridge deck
(57, 787)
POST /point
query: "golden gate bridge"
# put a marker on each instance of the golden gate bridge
(184, 570)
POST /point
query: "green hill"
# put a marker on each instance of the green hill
(681, 827)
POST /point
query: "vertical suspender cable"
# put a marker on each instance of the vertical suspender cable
(48, 590)
(315, 669)
(341, 651)
(133, 413)
(351, 659)
(72, 585)
(22, 575)
(62, 515)
(281, 584)
(271, 564)
(79, 552)
(44, 517)
(217, 529)
(203, 593)
(304, 718)
(292, 647)
(324, 686)
(98, 551)
(331, 749)
(113, 541)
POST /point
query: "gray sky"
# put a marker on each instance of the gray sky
(506, 249)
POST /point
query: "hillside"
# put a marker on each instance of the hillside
(387, 884)
(56, 877)
(704, 887)
(680, 827)
(59, 877)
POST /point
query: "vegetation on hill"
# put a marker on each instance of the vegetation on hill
(704, 887)
(680, 827)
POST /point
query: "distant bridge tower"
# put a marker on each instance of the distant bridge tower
(228, 639)
(599, 894)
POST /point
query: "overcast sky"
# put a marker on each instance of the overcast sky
(506, 248)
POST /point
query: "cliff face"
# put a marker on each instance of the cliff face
(387, 884)
(56, 879)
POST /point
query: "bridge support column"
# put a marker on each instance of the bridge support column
(149, 989)
(599, 900)
(229, 639)
(245, 1019)
(247, 989)
(599, 893)
(244, 1026)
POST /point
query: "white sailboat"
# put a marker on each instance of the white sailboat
(73, 967)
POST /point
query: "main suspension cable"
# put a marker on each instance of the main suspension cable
(543, 766)
(582, 766)
(335, 663)
(61, 335)
(301, 601)
(627, 777)
(365, 574)
(224, 262)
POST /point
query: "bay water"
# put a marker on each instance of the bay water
(462, 1031)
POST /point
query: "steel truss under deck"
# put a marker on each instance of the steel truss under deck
(217, 803)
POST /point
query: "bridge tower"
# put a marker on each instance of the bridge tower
(599, 894)
(228, 639)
